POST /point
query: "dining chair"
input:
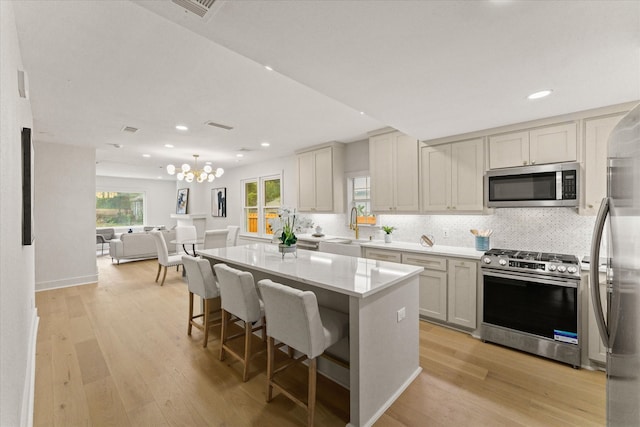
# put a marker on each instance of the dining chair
(215, 238)
(232, 238)
(201, 282)
(295, 319)
(239, 300)
(164, 259)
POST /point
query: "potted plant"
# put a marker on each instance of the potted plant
(363, 217)
(286, 233)
(387, 232)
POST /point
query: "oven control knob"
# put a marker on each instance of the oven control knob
(552, 268)
(572, 269)
(562, 269)
(486, 260)
(502, 262)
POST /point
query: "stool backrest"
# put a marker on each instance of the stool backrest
(238, 293)
(186, 232)
(200, 278)
(215, 238)
(293, 317)
(161, 247)
(232, 238)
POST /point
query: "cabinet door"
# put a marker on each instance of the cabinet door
(382, 255)
(405, 167)
(433, 294)
(467, 171)
(462, 293)
(553, 144)
(306, 182)
(435, 165)
(597, 350)
(509, 150)
(381, 170)
(323, 168)
(596, 138)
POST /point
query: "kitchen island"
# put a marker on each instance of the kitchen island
(381, 299)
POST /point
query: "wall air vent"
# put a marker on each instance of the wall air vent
(199, 7)
(130, 129)
(218, 125)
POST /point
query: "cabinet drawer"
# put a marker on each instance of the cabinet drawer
(426, 261)
(383, 255)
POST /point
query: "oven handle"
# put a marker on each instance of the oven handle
(529, 278)
(594, 280)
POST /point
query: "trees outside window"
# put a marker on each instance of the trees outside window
(119, 209)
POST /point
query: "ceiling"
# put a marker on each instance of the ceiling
(427, 68)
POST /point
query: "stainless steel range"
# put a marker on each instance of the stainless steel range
(531, 303)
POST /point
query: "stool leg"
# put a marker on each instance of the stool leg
(270, 362)
(190, 312)
(247, 350)
(223, 333)
(313, 366)
(206, 322)
(164, 276)
(157, 275)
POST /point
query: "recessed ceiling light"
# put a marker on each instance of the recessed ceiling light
(159, 177)
(168, 145)
(207, 163)
(268, 68)
(362, 113)
(146, 155)
(239, 155)
(265, 144)
(182, 127)
(541, 94)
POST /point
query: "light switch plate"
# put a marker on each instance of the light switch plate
(402, 313)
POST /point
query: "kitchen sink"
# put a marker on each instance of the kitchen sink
(341, 246)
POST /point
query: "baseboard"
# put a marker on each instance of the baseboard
(26, 413)
(391, 399)
(65, 283)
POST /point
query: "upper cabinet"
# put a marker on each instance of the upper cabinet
(596, 137)
(321, 179)
(451, 176)
(393, 165)
(552, 144)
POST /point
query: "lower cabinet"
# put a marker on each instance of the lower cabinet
(448, 286)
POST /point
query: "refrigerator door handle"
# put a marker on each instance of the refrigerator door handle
(594, 279)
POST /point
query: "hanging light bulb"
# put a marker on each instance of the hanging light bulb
(186, 173)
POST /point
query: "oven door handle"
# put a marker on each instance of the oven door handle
(594, 279)
(533, 279)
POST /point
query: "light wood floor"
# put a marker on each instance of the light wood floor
(117, 353)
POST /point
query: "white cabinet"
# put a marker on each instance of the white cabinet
(462, 299)
(596, 138)
(552, 144)
(320, 179)
(597, 351)
(448, 286)
(452, 176)
(393, 165)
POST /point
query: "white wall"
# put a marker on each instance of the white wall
(18, 316)
(160, 197)
(65, 215)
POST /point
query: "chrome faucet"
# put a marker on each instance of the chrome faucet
(353, 221)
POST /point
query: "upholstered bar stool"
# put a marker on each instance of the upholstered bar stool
(215, 238)
(240, 301)
(232, 237)
(164, 259)
(295, 319)
(201, 282)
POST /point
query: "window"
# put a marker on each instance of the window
(114, 209)
(262, 200)
(359, 194)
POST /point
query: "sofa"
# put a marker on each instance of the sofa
(139, 245)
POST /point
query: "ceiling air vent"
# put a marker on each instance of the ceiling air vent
(199, 7)
(218, 125)
(129, 129)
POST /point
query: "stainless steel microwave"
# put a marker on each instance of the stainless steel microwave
(553, 185)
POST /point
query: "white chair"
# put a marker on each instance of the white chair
(215, 238)
(232, 238)
(239, 298)
(186, 233)
(164, 259)
(295, 319)
(201, 282)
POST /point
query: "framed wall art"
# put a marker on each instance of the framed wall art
(181, 203)
(27, 188)
(219, 202)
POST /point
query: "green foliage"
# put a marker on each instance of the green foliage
(388, 229)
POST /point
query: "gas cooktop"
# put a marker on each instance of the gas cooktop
(534, 262)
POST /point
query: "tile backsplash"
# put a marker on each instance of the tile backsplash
(536, 229)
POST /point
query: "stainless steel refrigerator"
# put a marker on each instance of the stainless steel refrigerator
(620, 330)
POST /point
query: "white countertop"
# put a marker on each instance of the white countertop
(358, 277)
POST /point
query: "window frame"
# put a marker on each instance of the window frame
(261, 205)
(145, 202)
(351, 202)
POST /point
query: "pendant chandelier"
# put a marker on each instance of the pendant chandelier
(186, 173)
